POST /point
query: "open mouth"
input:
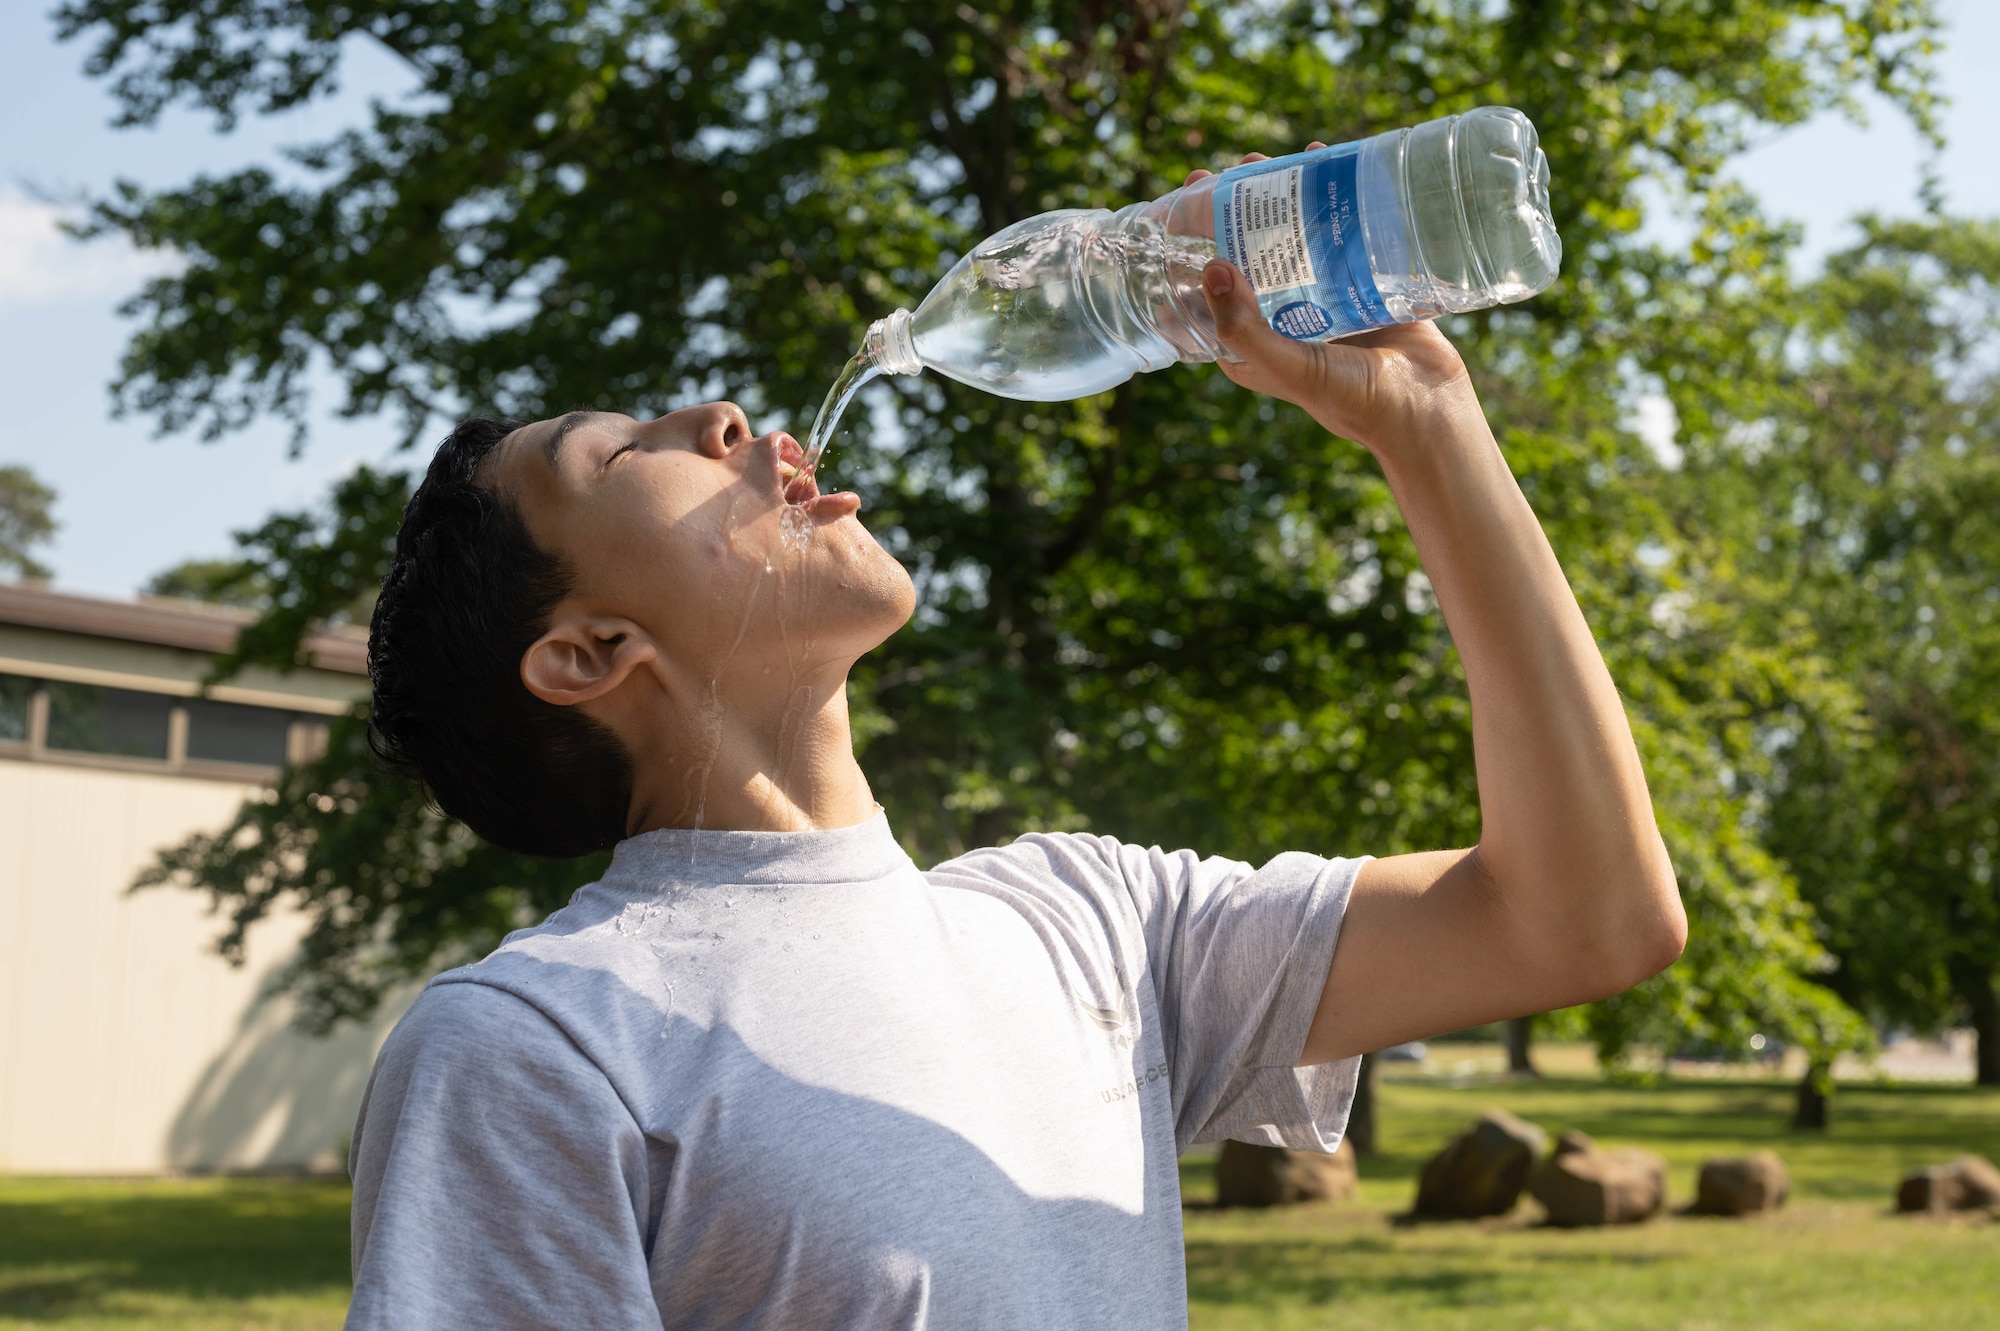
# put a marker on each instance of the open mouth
(799, 488)
(801, 491)
(794, 482)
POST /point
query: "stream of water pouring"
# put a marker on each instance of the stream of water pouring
(859, 372)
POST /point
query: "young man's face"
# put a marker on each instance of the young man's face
(682, 524)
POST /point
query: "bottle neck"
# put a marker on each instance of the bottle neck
(893, 346)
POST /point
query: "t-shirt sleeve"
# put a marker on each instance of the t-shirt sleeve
(499, 1181)
(1238, 958)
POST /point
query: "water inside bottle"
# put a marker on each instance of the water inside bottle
(1035, 312)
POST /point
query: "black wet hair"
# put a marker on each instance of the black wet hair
(468, 591)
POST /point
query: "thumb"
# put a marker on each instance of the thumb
(1268, 356)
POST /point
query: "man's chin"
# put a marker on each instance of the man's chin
(883, 596)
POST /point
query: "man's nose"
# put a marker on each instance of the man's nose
(718, 428)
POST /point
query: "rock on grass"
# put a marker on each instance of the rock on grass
(1582, 1183)
(1741, 1185)
(1481, 1171)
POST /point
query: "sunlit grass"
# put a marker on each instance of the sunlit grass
(269, 1253)
(1835, 1258)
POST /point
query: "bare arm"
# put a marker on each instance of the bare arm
(1569, 896)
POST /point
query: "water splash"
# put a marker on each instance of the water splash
(795, 527)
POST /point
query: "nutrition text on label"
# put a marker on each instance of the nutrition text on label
(1272, 224)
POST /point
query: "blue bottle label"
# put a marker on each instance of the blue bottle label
(1302, 320)
(1294, 227)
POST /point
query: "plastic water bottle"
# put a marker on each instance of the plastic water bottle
(1450, 216)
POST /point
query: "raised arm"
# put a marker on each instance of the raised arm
(1569, 895)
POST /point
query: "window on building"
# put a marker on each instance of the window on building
(15, 694)
(226, 732)
(84, 718)
(15, 698)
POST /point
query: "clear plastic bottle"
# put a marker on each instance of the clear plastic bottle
(1450, 216)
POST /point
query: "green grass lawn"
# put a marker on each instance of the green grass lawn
(269, 1253)
(1835, 1258)
(181, 1253)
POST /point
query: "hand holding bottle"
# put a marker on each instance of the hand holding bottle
(1369, 387)
(1381, 389)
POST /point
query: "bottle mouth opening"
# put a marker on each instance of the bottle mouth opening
(894, 344)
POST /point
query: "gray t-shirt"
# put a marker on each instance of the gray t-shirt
(790, 1080)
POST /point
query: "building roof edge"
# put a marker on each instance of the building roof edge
(201, 628)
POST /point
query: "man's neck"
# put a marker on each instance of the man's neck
(753, 761)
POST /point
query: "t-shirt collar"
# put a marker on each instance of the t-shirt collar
(861, 853)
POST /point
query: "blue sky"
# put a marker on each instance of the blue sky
(131, 504)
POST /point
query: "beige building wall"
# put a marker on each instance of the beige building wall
(127, 1045)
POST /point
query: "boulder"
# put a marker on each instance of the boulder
(1969, 1183)
(1980, 1179)
(1247, 1175)
(1582, 1183)
(1742, 1185)
(1934, 1189)
(1481, 1171)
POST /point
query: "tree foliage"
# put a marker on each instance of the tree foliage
(1173, 612)
(232, 582)
(1853, 484)
(25, 521)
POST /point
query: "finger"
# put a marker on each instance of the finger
(1315, 144)
(1242, 328)
(1253, 157)
(1194, 175)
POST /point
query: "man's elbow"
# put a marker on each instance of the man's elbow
(1649, 934)
(1618, 928)
(1661, 945)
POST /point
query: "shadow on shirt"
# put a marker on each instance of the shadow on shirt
(541, 1139)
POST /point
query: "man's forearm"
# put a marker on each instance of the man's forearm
(1567, 831)
(1569, 896)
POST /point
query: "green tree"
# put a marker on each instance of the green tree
(1877, 426)
(1172, 611)
(232, 582)
(25, 521)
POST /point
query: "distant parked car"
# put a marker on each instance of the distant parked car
(1413, 1052)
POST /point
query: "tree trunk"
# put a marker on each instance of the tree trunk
(1810, 1114)
(1519, 1064)
(1980, 996)
(1361, 1118)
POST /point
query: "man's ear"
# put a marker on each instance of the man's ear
(584, 657)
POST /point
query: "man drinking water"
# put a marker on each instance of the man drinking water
(767, 1072)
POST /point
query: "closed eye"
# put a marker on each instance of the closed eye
(621, 452)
